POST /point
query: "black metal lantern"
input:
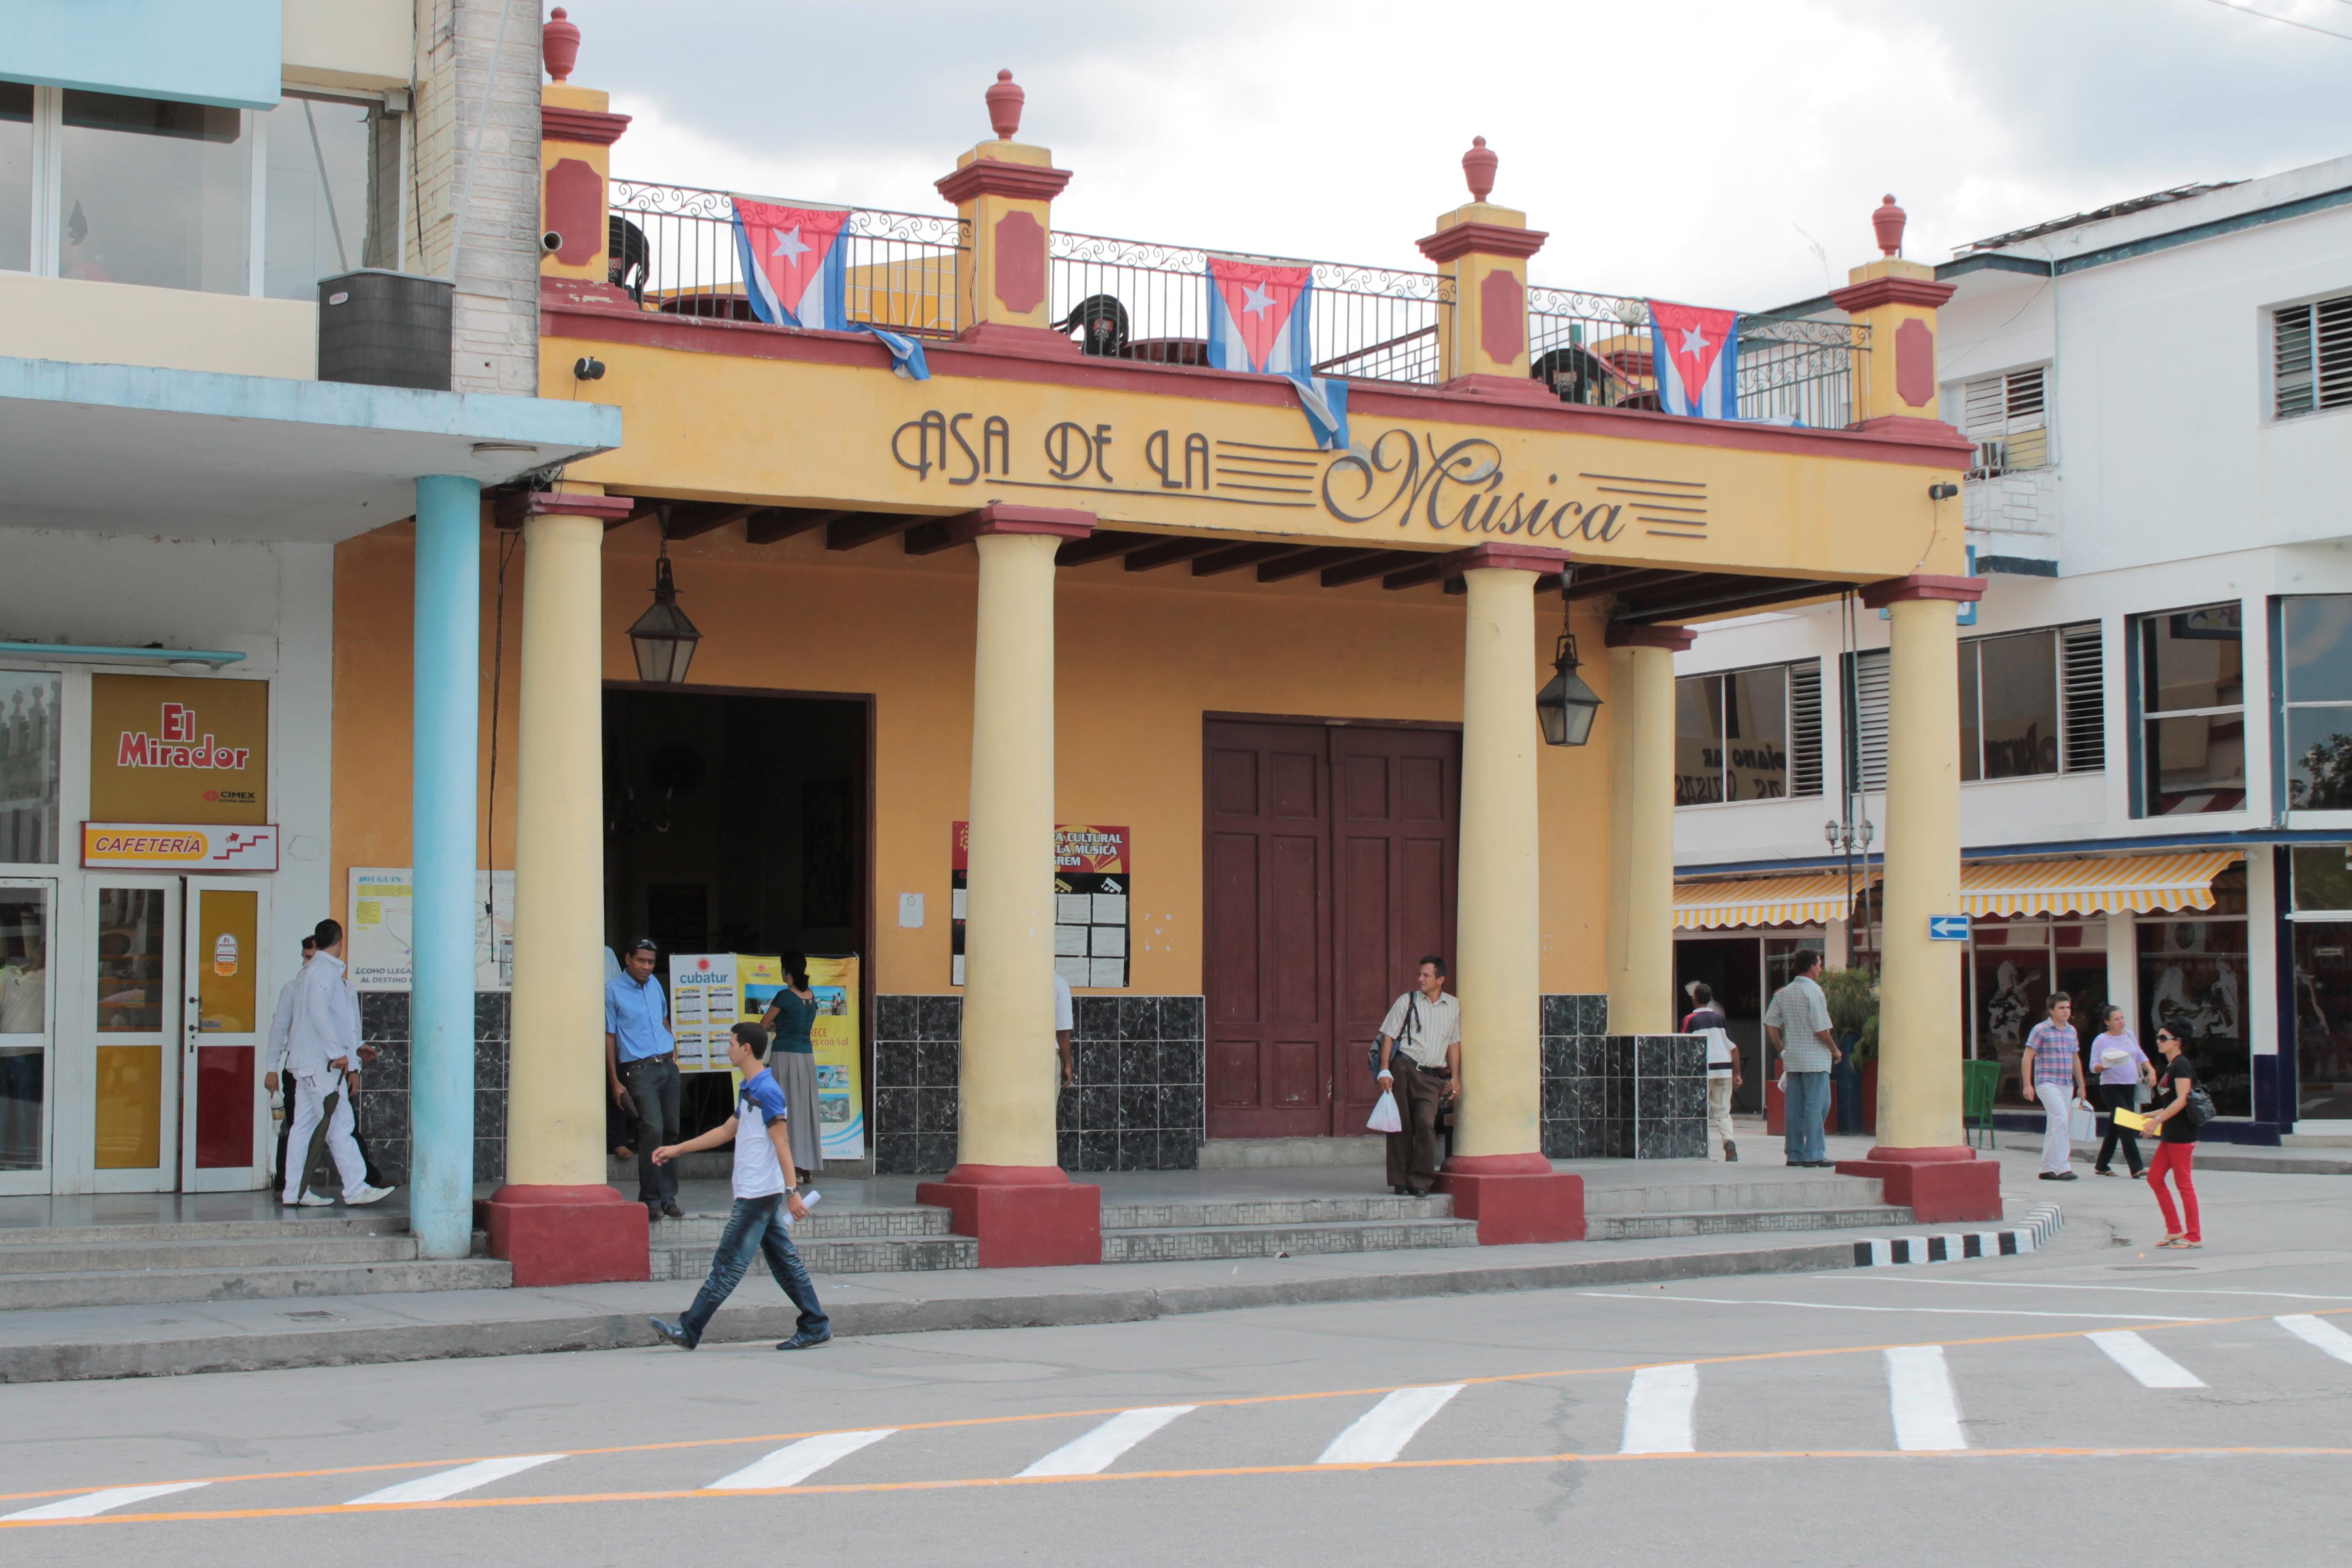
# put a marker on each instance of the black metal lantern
(1566, 705)
(663, 637)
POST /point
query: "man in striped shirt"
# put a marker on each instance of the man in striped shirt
(2052, 1072)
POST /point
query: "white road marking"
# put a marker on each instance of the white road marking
(796, 1462)
(2144, 1362)
(1380, 1433)
(90, 1504)
(2321, 1335)
(1862, 1277)
(1919, 1396)
(1092, 1453)
(1853, 1307)
(464, 1478)
(1658, 1411)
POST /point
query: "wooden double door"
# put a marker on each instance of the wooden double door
(1329, 860)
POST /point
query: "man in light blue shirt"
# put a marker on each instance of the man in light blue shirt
(641, 1060)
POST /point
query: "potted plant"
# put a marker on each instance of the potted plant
(1853, 997)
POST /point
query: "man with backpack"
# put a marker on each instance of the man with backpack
(1420, 1063)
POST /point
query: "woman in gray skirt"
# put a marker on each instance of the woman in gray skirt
(792, 1058)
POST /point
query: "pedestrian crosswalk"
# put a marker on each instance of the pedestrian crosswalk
(1911, 1399)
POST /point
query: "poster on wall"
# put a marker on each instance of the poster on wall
(382, 929)
(704, 999)
(1090, 904)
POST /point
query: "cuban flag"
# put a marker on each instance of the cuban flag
(1697, 354)
(1260, 322)
(796, 268)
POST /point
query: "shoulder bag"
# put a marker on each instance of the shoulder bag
(1411, 1031)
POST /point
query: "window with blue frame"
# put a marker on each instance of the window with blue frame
(2315, 702)
(2190, 669)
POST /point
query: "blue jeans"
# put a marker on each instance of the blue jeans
(755, 1224)
(1808, 1102)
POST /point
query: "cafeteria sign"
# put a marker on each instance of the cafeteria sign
(179, 846)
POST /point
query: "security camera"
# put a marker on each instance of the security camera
(1943, 491)
(550, 242)
(587, 368)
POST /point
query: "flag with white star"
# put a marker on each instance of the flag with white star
(1261, 321)
(1697, 356)
(795, 266)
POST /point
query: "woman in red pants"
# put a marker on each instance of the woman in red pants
(2178, 1145)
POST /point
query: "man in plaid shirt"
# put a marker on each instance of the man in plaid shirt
(2052, 1072)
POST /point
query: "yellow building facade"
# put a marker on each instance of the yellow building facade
(1030, 585)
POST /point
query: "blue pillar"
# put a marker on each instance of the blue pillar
(441, 998)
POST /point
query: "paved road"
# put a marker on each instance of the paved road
(2043, 1409)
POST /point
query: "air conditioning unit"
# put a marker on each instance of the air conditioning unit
(385, 329)
(1992, 458)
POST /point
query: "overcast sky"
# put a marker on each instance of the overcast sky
(1725, 152)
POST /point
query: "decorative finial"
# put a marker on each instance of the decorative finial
(1888, 221)
(1478, 166)
(1004, 100)
(559, 45)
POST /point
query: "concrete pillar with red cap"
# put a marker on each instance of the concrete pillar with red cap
(577, 129)
(1894, 302)
(1498, 1174)
(1482, 250)
(1008, 1188)
(1003, 191)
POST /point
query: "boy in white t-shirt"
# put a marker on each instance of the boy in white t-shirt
(764, 1180)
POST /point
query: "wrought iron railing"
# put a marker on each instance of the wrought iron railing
(673, 246)
(1136, 299)
(1597, 349)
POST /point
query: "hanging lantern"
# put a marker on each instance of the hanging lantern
(663, 637)
(1566, 705)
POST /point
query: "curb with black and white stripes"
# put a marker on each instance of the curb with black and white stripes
(2041, 1223)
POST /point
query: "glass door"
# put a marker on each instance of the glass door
(134, 1018)
(223, 1022)
(27, 1027)
(2323, 1022)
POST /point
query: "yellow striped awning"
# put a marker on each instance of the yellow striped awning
(2180, 879)
(1804, 898)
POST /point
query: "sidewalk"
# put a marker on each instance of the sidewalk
(255, 1335)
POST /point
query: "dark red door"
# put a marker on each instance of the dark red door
(1329, 856)
(1267, 861)
(1394, 811)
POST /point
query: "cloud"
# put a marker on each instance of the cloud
(1690, 148)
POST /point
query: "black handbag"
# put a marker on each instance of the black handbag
(2198, 1109)
(1412, 1028)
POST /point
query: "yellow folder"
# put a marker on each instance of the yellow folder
(2131, 1120)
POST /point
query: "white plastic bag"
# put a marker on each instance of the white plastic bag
(2082, 1124)
(1385, 1117)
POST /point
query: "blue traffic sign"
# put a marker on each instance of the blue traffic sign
(1947, 928)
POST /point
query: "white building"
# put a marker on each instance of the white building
(2156, 694)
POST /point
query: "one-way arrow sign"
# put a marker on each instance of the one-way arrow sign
(1947, 928)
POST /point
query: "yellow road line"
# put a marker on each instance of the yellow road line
(1236, 1402)
(968, 1483)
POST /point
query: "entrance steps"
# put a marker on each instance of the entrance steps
(914, 1239)
(2316, 1140)
(1736, 1207)
(226, 1260)
(1191, 1230)
(1271, 1154)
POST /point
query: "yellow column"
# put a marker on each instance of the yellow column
(1003, 192)
(1482, 250)
(1498, 1174)
(1007, 1113)
(556, 1218)
(1640, 934)
(1008, 1188)
(1921, 1156)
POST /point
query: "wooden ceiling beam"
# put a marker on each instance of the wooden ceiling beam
(1306, 560)
(774, 524)
(689, 519)
(865, 527)
(1101, 545)
(1233, 558)
(1376, 564)
(1168, 552)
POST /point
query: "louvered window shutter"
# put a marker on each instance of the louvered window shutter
(2007, 417)
(2312, 367)
(1805, 728)
(1865, 747)
(2084, 679)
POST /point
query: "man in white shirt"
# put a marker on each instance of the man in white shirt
(281, 1027)
(1420, 1062)
(322, 1041)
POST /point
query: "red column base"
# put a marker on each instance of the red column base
(1514, 1198)
(567, 1235)
(1024, 1217)
(1937, 1185)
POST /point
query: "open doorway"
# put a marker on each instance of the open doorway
(734, 822)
